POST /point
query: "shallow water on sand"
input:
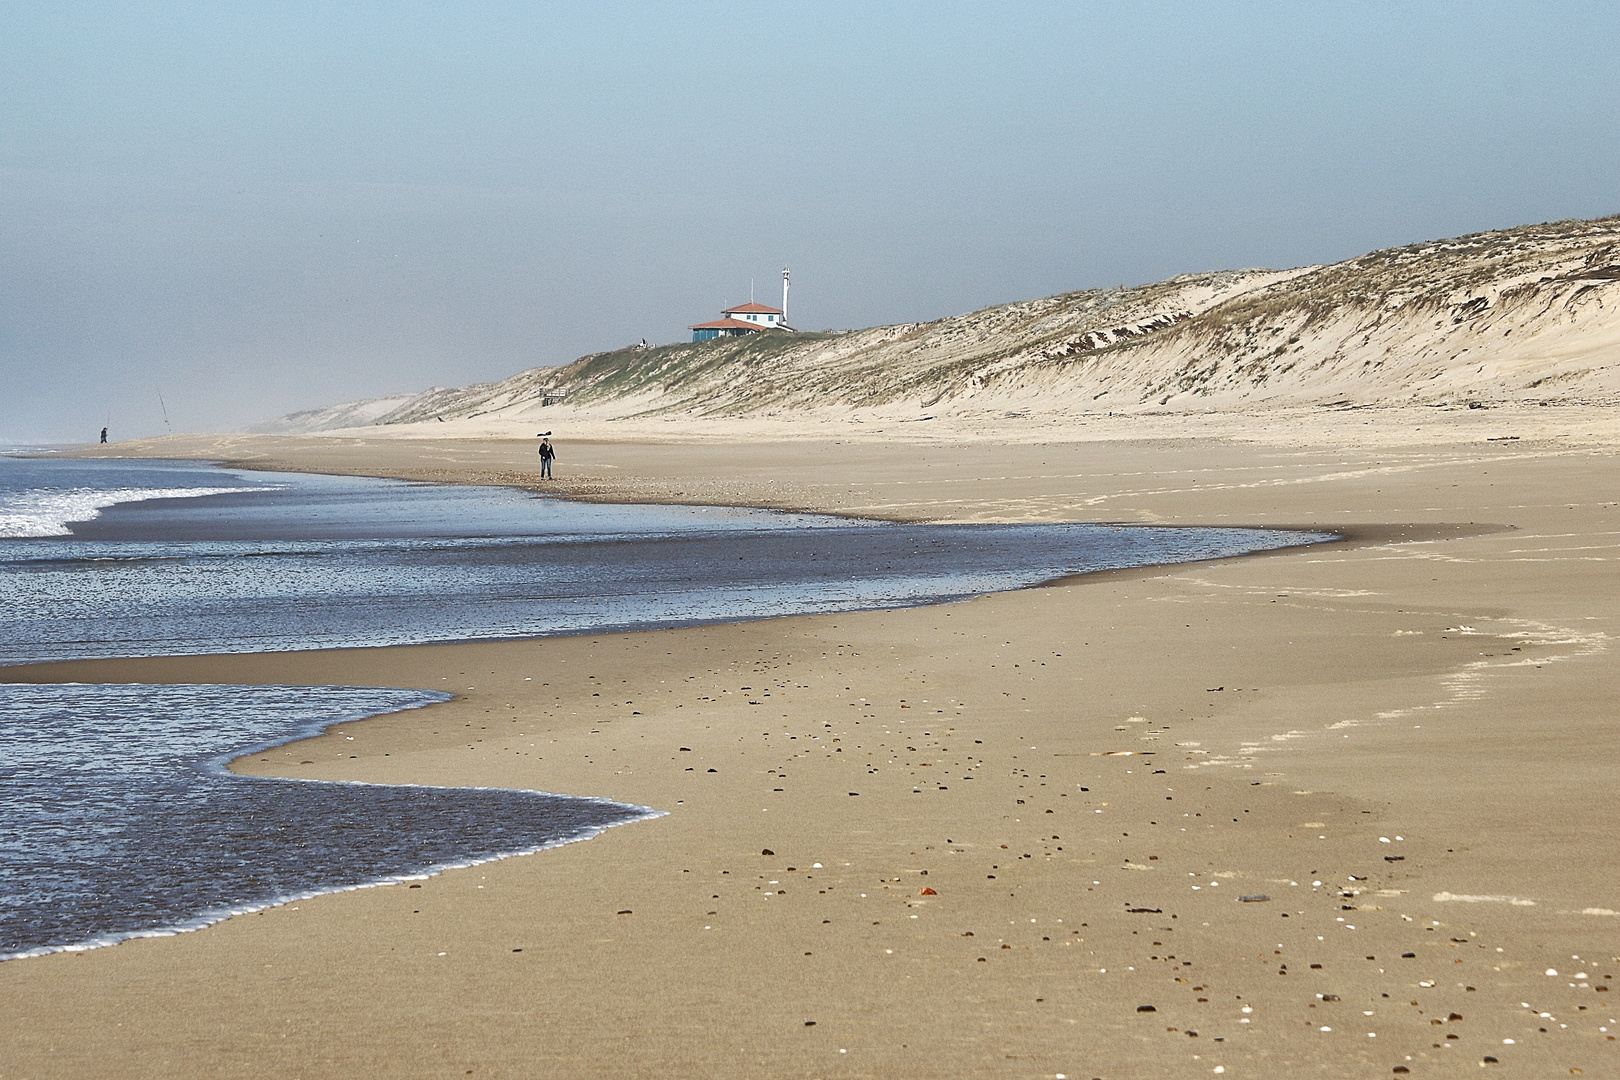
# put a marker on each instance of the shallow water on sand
(120, 818)
(150, 558)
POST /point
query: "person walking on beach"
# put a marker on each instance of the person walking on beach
(103, 434)
(546, 454)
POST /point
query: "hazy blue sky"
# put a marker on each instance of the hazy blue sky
(252, 208)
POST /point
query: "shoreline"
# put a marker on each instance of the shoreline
(1291, 684)
(251, 898)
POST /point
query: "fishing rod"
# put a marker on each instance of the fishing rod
(165, 409)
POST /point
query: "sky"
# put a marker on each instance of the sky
(212, 214)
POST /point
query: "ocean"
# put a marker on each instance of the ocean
(120, 819)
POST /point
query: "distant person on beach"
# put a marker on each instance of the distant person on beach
(546, 454)
(103, 434)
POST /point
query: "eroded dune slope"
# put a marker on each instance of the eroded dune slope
(1530, 314)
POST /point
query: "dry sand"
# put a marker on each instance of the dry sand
(978, 839)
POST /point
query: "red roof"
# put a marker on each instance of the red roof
(752, 308)
(726, 324)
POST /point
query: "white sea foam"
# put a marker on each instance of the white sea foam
(47, 511)
(1464, 898)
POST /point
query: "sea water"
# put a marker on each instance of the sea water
(135, 558)
(118, 816)
(121, 820)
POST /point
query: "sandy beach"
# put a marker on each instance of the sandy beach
(1336, 811)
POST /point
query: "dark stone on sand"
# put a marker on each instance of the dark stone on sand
(1147, 1008)
(766, 851)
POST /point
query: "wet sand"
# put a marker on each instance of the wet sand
(1034, 813)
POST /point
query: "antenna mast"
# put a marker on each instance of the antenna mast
(784, 293)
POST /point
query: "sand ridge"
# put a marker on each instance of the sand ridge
(1060, 795)
(1513, 316)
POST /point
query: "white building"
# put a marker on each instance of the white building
(749, 318)
(766, 317)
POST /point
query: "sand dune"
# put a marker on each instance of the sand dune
(1527, 316)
